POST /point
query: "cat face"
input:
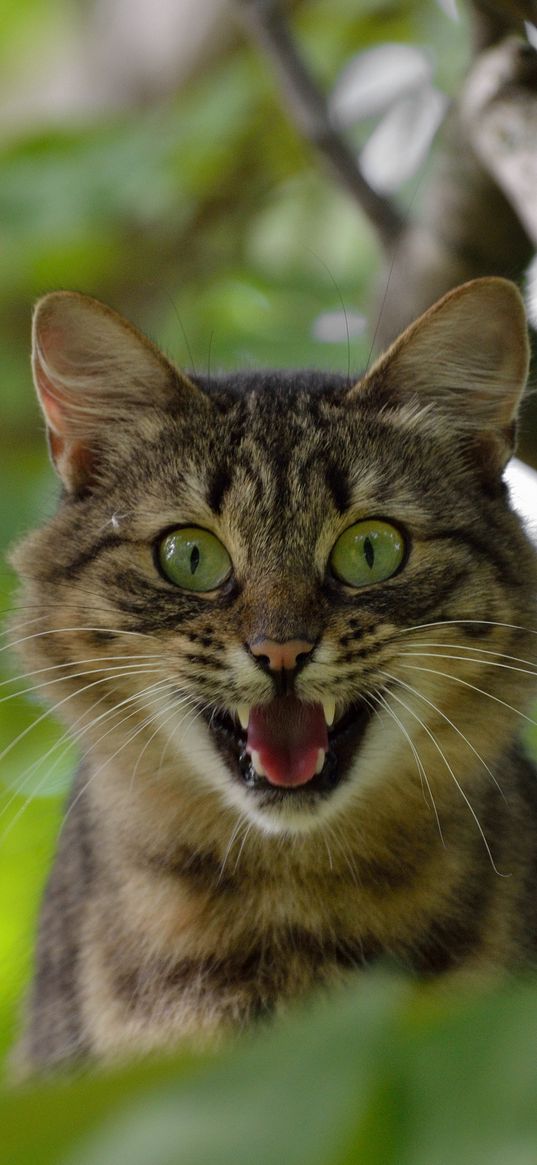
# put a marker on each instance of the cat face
(300, 591)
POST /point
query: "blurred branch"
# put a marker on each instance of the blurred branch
(478, 206)
(499, 108)
(306, 106)
(471, 223)
(494, 19)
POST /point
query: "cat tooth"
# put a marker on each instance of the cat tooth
(329, 705)
(320, 760)
(256, 761)
(243, 712)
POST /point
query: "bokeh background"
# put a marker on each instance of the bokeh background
(145, 159)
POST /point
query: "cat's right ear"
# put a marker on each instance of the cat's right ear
(91, 369)
(464, 364)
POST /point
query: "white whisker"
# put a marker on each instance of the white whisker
(109, 759)
(457, 679)
(49, 711)
(435, 708)
(67, 737)
(460, 622)
(335, 835)
(329, 852)
(416, 653)
(242, 820)
(160, 726)
(425, 784)
(480, 651)
(110, 669)
(457, 783)
(39, 785)
(242, 845)
(70, 630)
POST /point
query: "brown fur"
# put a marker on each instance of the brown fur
(181, 904)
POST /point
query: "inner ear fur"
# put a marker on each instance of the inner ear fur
(466, 358)
(91, 368)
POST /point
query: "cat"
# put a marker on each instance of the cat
(290, 619)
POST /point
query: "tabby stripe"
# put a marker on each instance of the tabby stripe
(259, 971)
(56, 1027)
(218, 488)
(454, 936)
(451, 940)
(107, 542)
(478, 547)
(202, 868)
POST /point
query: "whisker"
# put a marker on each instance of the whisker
(457, 679)
(50, 711)
(416, 654)
(479, 650)
(185, 700)
(72, 676)
(425, 783)
(182, 723)
(459, 622)
(108, 759)
(134, 698)
(242, 820)
(44, 608)
(335, 835)
(242, 845)
(329, 852)
(66, 737)
(34, 792)
(457, 783)
(53, 606)
(64, 630)
(426, 700)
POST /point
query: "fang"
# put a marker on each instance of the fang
(243, 713)
(329, 706)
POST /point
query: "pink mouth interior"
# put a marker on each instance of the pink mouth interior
(287, 734)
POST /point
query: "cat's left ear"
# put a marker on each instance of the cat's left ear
(92, 371)
(466, 359)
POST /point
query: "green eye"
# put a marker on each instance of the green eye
(194, 559)
(368, 552)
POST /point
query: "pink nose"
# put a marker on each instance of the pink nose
(281, 656)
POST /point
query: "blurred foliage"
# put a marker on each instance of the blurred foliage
(387, 1075)
(204, 219)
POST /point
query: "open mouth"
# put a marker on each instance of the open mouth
(289, 748)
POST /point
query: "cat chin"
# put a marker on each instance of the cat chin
(292, 819)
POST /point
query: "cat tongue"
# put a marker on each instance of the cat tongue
(285, 737)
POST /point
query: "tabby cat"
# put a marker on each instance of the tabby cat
(290, 620)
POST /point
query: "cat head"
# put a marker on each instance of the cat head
(249, 560)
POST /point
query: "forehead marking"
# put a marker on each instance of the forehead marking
(217, 488)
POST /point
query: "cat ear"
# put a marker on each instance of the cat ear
(91, 368)
(466, 359)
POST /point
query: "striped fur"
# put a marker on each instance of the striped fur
(181, 906)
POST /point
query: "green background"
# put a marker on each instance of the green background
(201, 216)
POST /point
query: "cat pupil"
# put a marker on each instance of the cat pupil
(369, 552)
(194, 559)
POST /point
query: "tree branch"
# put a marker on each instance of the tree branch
(494, 19)
(306, 106)
(499, 108)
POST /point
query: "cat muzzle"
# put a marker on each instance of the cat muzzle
(288, 746)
